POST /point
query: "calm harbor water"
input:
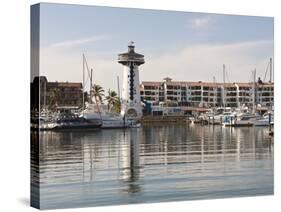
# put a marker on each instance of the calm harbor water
(154, 163)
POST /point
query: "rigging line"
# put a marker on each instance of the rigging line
(88, 71)
(86, 82)
(89, 75)
(266, 71)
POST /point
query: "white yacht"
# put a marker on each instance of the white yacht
(239, 117)
(218, 116)
(47, 120)
(246, 119)
(109, 120)
(47, 124)
(229, 119)
(241, 120)
(266, 120)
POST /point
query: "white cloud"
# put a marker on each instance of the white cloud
(198, 23)
(192, 63)
(68, 66)
(71, 43)
(202, 62)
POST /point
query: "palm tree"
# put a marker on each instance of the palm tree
(117, 106)
(98, 93)
(112, 99)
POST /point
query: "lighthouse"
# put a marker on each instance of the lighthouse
(130, 99)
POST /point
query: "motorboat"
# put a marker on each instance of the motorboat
(266, 120)
(47, 124)
(240, 120)
(72, 122)
(220, 116)
(246, 119)
(229, 120)
(43, 121)
(109, 120)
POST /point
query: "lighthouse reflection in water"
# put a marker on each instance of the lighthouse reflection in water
(130, 170)
(154, 163)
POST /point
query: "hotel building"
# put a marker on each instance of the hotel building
(63, 94)
(207, 94)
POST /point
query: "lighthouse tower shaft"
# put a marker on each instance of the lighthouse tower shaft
(130, 90)
(130, 99)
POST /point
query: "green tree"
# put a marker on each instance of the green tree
(117, 106)
(112, 99)
(98, 93)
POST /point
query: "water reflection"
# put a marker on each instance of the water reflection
(153, 163)
(129, 156)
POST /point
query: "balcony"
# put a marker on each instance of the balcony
(138, 59)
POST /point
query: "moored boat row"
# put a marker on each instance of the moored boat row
(240, 117)
(85, 120)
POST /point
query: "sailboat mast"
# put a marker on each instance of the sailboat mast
(83, 86)
(215, 90)
(118, 87)
(91, 85)
(90, 75)
(223, 96)
(254, 89)
(270, 69)
(45, 94)
(271, 80)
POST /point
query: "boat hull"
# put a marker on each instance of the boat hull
(118, 125)
(77, 124)
(76, 127)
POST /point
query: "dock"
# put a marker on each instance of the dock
(165, 119)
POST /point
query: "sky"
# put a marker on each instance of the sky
(184, 46)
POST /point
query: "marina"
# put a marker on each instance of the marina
(226, 104)
(126, 112)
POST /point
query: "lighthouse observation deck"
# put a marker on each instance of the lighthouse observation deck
(131, 56)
